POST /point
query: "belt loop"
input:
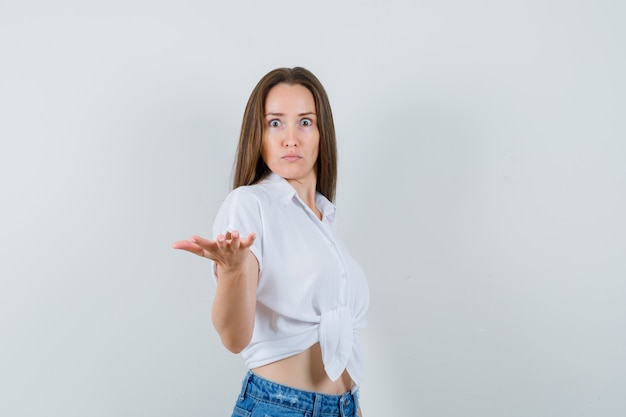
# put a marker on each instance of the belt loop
(244, 386)
(317, 404)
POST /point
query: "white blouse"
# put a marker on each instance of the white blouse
(310, 288)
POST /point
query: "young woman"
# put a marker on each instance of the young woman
(289, 296)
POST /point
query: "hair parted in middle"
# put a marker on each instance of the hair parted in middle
(249, 165)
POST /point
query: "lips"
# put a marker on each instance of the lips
(291, 158)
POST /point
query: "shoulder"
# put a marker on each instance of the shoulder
(269, 191)
(257, 194)
(250, 201)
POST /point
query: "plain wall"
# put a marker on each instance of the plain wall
(482, 187)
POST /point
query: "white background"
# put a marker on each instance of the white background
(482, 187)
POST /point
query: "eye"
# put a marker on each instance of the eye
(306, 122)
(274, 123)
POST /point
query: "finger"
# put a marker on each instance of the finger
(234, 240)
(220, 239)
(189, 246)
(247, 241)
(205, 243)
(206, 248)
(180, 244)
(228, 241)
(220, 244)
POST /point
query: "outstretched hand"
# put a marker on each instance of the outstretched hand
(228, 251)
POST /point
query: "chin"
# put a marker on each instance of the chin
(288, 174)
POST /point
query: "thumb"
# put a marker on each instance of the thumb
(248, 240)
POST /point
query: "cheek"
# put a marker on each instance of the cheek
(316, 147)
(267, 149)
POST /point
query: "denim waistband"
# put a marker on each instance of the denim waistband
(312, 403)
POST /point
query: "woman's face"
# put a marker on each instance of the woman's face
(291, 138)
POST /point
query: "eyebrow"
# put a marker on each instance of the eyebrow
(300, 114)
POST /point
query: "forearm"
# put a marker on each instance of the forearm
(235, 303)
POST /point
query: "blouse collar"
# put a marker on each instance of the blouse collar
(287, 194)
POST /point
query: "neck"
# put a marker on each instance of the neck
(306, 191)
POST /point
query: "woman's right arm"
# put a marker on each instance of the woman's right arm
(237, 278)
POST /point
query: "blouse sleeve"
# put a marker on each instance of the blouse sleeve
(241, 211)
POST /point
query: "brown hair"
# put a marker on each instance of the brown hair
(249, 165)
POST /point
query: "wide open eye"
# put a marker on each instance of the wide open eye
(306, 122)
(274, 123)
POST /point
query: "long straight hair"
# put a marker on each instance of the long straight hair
(249, 165)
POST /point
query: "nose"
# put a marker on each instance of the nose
(291, 136)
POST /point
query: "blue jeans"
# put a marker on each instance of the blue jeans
(262, 398)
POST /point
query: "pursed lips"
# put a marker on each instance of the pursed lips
(291, 157)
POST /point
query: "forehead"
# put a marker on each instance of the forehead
(285, 97)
